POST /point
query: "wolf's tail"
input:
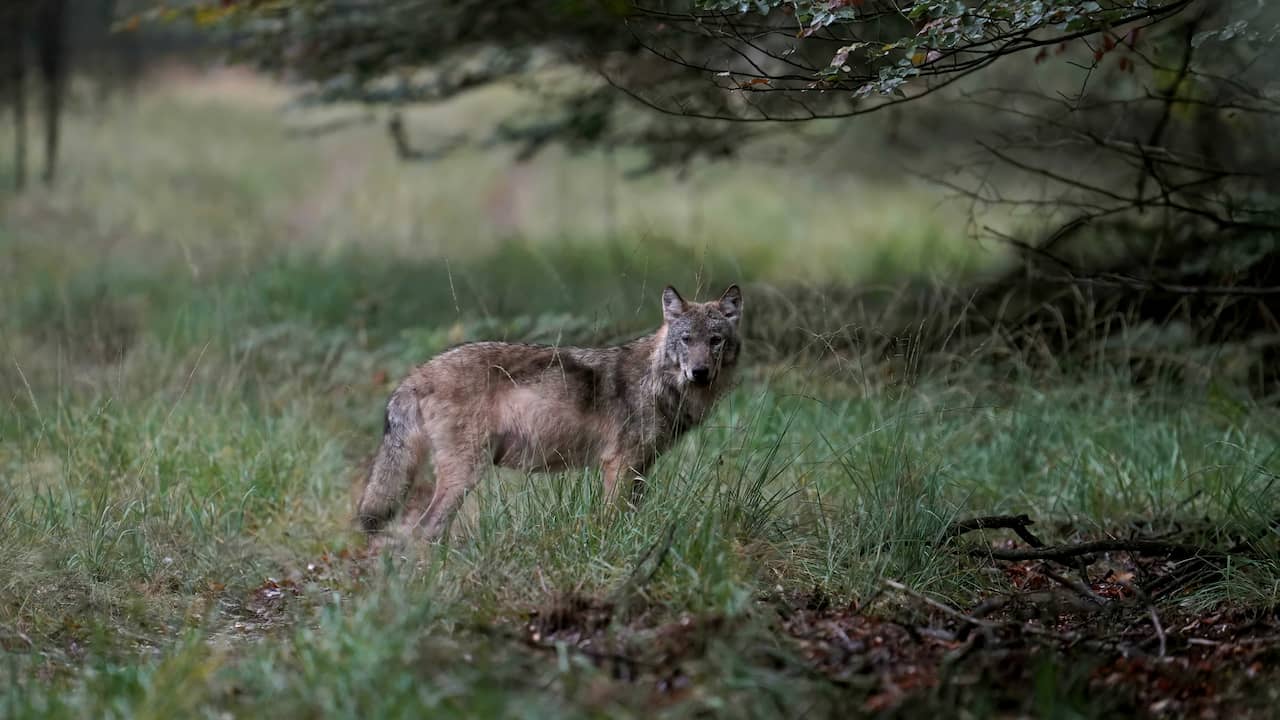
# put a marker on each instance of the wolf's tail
(393, 469)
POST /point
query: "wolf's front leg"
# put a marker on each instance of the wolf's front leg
(619, 475)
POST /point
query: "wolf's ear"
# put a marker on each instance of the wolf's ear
(731, 304)
(672, 304)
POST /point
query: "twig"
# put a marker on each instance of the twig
(599, 656)
(970, 642)
(990, 605)
(1134, 283)
(978, 622)
(1155, 620)
(1157, 132)
(1074, 585)
(983, 609)
(944, 608)
(1267, 640)
(18, 634)
(1028, 249)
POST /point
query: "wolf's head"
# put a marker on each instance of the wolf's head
(702, 338)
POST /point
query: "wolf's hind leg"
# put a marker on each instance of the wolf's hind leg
(416, 502)
(456, 474)
(396, 464)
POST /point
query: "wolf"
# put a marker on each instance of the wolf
(542, 408)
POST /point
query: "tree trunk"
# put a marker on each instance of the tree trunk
(15, 72)
(51, 28)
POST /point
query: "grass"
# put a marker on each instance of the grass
(202, 322)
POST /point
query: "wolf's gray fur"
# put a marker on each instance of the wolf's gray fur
(541, 408)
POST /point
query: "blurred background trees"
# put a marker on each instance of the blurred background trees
(45, 44)
(33, 41)
(1133, 142)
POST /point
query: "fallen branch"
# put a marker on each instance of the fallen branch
(1061, 552)
(1016, 523)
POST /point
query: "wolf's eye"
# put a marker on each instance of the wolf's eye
(684, 339)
